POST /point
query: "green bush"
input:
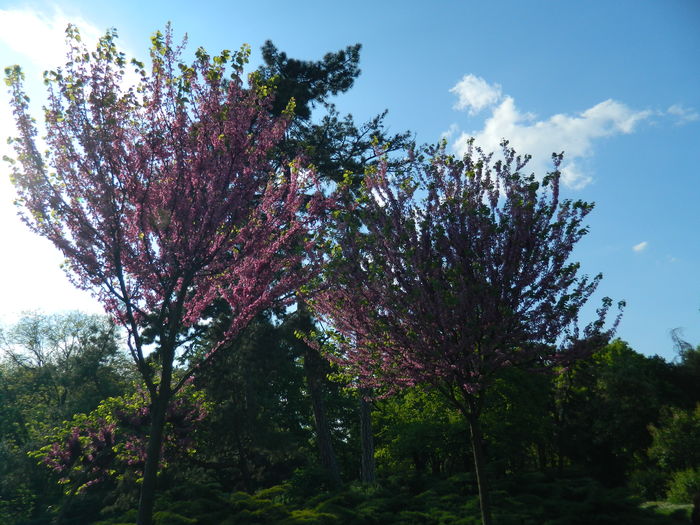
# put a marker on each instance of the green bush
(683, 486)
(170, 518)
(309, 517)
(676, 439)
(532, 499)
(649, 483)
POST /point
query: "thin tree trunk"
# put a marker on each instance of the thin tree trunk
(477, 439)
(159, 407)
(243, 461)
(368, 471)
(542, 456)
(313, 366)
(150, 471)
(64, 508)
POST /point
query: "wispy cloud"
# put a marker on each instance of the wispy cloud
(575, 134)
(683, 114)
(640, 247)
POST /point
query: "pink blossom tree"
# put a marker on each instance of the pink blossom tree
(449, 270)
(110, 441)
(163, 197)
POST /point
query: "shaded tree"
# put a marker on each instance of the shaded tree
(309, 82)
(687, 370)
(518, 420)
(675, 450)
(676, 439)
(601, 424)
(340, 150)
(419, 432)
(335, 144)
(449, 271)
(260, 431)
(162, 197)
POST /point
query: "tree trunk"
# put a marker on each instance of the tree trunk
(243, 461)
(58, 520)
(313, 366)
(150, 472)
(479, 463)
(542, 456)
(367, 473)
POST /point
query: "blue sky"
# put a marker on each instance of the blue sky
(616, 85)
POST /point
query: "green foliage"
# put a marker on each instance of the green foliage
(109, 443)
(165, 517)
(418, 431)
(517, 420)
(684, 486)
(649, 482)
(259, 392)
(260, 431)
(674, 455)
(52, 367)
(676, 439)
(602, 425)
(529, 499)
(679, 513)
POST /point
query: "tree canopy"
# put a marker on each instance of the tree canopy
(163, 197)
(448, 271)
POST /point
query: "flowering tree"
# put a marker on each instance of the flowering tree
(449, 271)
(162, 197)
(91, 448)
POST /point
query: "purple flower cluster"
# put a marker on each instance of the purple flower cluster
(93, 447)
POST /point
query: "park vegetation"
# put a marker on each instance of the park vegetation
(312, 320)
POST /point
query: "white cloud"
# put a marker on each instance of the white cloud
(37, 41)
(474, 94)
(683, 114)
(451, 132)
(40, 37)
(573, 134)
(640, 247)
(30, 276)
(572, 175)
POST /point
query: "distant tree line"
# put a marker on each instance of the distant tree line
(619, 417)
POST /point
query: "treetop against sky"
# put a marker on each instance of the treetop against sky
(614, 86)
